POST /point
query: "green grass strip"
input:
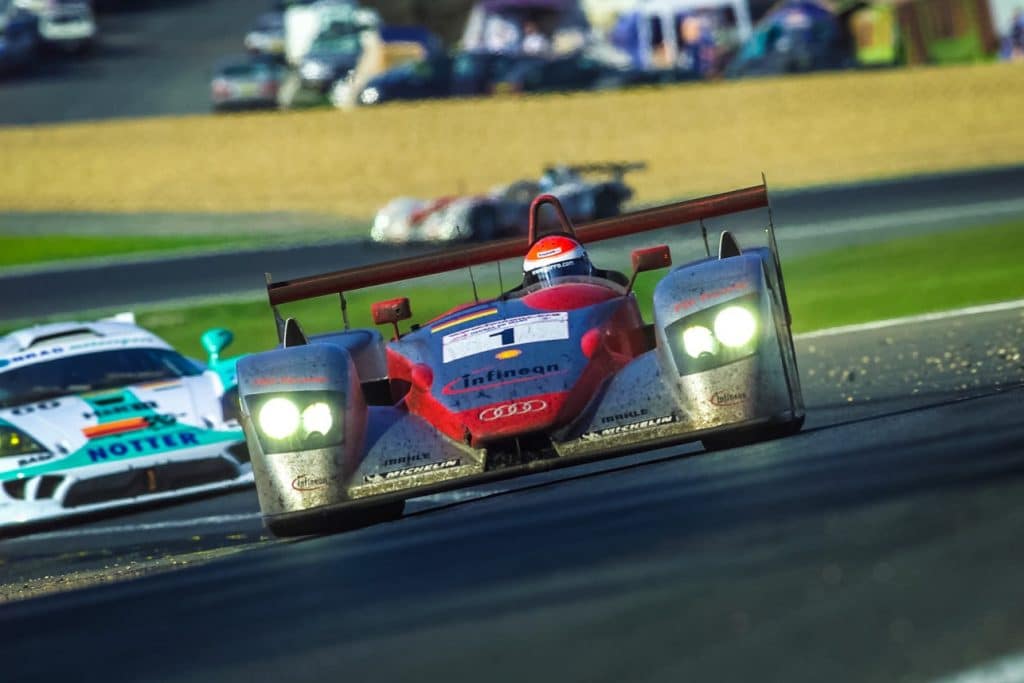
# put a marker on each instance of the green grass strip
(21, 250)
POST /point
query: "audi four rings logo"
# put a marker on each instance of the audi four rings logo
(512, 409)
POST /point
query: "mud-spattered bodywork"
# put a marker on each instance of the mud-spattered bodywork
(537, 378)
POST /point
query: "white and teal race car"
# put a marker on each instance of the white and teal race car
(101, 415)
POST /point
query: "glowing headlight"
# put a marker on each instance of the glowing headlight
(279, 418)
(317, 418)
(698, 340)
(735, 326)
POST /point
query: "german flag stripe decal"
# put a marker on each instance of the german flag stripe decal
(130, 424)
(463, 319)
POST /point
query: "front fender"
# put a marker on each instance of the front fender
(307, 470)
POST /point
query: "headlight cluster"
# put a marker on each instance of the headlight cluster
(297, 421)
(715, 336)
(14, 442)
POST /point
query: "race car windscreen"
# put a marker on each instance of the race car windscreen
(101, 370)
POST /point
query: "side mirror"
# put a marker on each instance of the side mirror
(650, 258)
(214, 341)
(391, 311)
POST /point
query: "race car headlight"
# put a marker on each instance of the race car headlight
(715, 336)
(698, 340)
(317, 418)
(297, 421)
(278, 418)
(14, 442)
(735, 326)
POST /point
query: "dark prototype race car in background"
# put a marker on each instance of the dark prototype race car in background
(344, 427)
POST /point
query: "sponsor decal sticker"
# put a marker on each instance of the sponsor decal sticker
(508, 354)
(146, 444)
(631, 427)
(33, 459)
(628, 415)
(308, 482)
(735, 288)
(268, 381)
(487, 378)
(405, 459)
(465, 318)
(506, 410)
(35, 355)
(378, 477)
(117, 341)
(136, 407)
(728, 398)
(493, 336)
(25, 410)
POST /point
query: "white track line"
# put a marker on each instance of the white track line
(911, 319)
(943, 214)
(1009, 669)
(132, 528)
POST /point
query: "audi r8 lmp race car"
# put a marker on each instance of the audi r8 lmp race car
(343, 427)
(505, 210)
(100, 415)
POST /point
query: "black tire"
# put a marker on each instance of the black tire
(607, 204)
(745, 437)
(484, 222)
(320, 523)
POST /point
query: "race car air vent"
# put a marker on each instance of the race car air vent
(151, 480)
(48, 483)
(15, 488)
(73, 332)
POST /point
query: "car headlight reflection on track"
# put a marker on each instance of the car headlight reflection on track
(735, 326)
(279, 418)
(317, 418)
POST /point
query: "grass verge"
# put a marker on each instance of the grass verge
(20, 250)
(697, 138)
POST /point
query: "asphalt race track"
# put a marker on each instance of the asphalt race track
(808, 220)
(880, 544)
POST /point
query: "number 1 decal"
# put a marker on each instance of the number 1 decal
(508, 336)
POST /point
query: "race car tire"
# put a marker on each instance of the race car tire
(318, 523)
(746, 437)
(606, 204)
(484, 223)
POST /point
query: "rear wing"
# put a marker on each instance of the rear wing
(615, 168)
(341, 281)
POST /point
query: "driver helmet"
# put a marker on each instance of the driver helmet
(552, 257)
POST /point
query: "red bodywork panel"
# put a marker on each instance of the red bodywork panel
(608, 348)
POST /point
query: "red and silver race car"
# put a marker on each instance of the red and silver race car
(344, 427)
(504, 210)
